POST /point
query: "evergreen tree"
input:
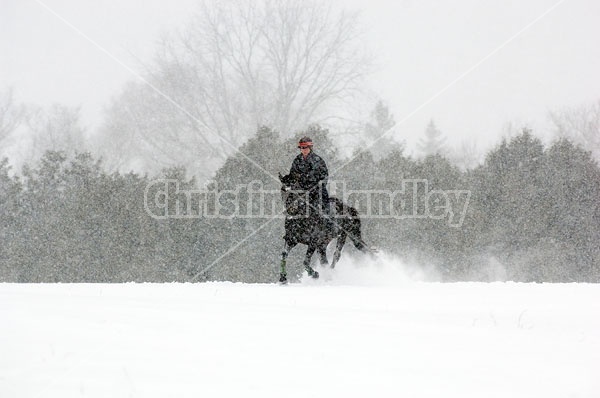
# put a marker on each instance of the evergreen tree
(379, 134)
(10, 222)
(536, 210)
(433, 142)
(390, 233)
(572, 181)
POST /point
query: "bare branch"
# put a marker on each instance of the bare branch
(580, 124)
(11, 114)
(239, 65)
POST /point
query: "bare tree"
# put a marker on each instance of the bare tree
(239, 65)
(581, 125)
(11, 114)
(467, 155)
(56, 129)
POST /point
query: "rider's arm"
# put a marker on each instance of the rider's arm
(295, 174)
(323, 173)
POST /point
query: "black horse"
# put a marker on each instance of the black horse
(305, 224)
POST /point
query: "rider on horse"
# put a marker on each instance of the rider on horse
(310, 173)
(307, 183)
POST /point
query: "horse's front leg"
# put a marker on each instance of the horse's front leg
(287, 247)
(309, 252)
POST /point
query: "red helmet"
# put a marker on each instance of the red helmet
(305, 142)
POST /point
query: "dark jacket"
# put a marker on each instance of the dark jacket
(310, 171)
(311, 174)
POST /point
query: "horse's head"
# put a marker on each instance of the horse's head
(289, 180)
(293, 197)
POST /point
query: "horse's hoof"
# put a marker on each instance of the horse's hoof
(314, 274)
(283, 279)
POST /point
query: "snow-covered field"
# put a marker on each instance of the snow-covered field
(361, 331)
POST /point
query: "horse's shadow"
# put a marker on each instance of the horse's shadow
(305, 224)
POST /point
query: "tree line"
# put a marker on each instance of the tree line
(533, 214)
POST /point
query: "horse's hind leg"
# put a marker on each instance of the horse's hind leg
(341, 240)
(323, 254)
(283, 272)
(309, 252)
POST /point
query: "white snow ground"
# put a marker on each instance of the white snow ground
(361, 331)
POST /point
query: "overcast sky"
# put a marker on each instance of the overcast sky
(451, 61)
